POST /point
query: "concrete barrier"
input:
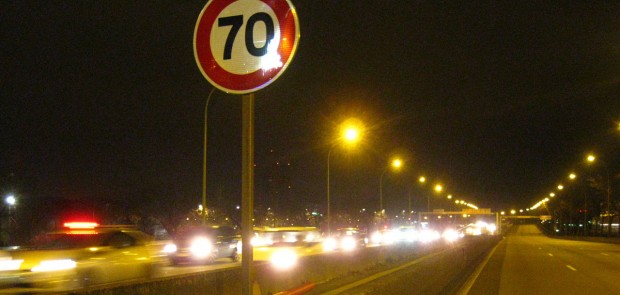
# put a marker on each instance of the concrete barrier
(449, 268)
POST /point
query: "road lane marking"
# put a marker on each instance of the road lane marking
(550, 254)
(571, 268)
(605, 254)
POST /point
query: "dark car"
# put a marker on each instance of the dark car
(204, 244)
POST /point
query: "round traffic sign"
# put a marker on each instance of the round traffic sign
(241, 46)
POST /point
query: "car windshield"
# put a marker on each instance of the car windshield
(191, 232)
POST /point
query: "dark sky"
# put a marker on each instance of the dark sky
(498, 100)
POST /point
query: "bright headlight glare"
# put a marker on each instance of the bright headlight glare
(492, 227)
(261, 242)
(290, 239)
(283, 259)
(450, 235)
(54, 265)
(376, 238)
(329, 244)
(348, 243)
(9, 264)
(201, 247)
(170, 248)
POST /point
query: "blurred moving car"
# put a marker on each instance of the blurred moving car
(84, 254)
(345, 239)
(285, 236)
(204, 244)
(280, 244)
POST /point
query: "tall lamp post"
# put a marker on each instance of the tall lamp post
(10, 200)
(591, 158)
(438, 188)
(395, 164)
(204, 162)
(350, 133)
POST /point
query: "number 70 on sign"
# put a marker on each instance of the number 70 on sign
(242, 46)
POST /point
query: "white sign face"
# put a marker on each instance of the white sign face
(242, 46)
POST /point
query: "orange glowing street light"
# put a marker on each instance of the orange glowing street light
(396, 164)
(350, 133)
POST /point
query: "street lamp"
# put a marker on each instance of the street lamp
(349, 133)
(10, 200)
(591, 158)
(438, 188)
(572, 176)
(394, 164)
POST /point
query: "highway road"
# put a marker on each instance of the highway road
(528, 262)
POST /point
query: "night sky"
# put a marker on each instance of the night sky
(103, 101)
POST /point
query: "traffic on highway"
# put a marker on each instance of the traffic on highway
(87, 255)
(309, 147)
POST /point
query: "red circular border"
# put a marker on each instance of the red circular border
(256, 80)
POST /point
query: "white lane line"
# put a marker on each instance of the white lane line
(604, 254)
(571, 268)
(550, 254)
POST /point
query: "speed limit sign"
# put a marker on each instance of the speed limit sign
(242, 46)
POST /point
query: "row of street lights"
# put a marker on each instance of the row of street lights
(590, 159)
(350, 133)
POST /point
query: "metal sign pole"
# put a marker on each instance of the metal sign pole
(247, 193)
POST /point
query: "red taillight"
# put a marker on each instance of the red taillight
(81, 225)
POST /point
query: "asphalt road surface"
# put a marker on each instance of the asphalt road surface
(528, 262)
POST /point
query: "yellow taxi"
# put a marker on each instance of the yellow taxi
(281, 246)
(82, 255)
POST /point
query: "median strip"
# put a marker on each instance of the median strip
(384, 273)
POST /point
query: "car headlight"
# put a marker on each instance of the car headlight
(283, 259)
(376, 238)
(348, 243)
(201, 247)
(492, 228)
(329, 244)
(450, 235)
(10, 264)
(54, 265)
(170, 248)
